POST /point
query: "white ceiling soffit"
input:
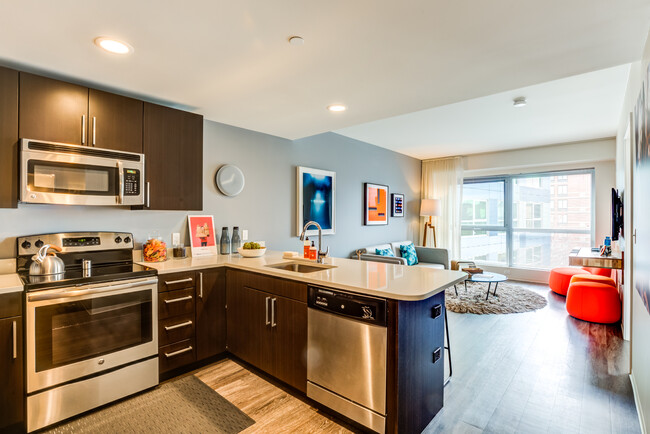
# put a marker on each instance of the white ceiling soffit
(232, 62)
(583, 107)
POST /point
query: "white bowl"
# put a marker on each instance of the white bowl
(251, 253)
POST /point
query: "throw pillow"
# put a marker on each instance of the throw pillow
(384, 252)
(408, 253)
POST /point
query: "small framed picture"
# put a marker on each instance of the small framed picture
(397, 208)
(202, 236)
(375, 206)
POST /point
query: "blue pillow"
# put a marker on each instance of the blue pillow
(384, 252)
(408, 253)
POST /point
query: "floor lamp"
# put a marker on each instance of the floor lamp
(429, 208)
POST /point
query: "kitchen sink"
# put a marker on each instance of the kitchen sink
(298, 267)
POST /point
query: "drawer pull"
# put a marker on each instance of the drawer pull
(172, 282)
(177, 326)
(176, 300)
(179, 352)
(15, 339)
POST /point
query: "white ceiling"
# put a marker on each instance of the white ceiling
(230, 60)
(582, 107)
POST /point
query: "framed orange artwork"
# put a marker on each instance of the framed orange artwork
(376, 206)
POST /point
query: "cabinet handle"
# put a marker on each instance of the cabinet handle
(15, 339)
(148, 193)
(176, 300)
(172, 282)
(273, 323)
(179, 352)
(83, 129)
(267, 311)
(120, 173)
(200, 285)
(94, 129)
(177, 326)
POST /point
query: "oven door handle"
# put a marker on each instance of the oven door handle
(67, 293)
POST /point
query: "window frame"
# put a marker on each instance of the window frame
(508, 226)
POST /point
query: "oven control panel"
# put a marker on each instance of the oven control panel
(75, 242)
(131, 182)
(81, 242)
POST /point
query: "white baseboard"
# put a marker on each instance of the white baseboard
(637, 404)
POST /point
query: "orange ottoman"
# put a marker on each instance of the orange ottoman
(593, 302)
(592, 278)
(607, 272)
(561, 277)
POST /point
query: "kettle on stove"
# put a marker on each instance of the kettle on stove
(44, 263)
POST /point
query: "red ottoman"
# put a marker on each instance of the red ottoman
(561, 277)
(607, 272)
(592, 278)
(593, 302)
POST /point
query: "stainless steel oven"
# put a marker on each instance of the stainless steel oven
(75, 333)
(58, 173)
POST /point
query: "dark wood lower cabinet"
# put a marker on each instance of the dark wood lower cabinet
(210, 313)
(289, 341)
(247, 328)
(11, 375)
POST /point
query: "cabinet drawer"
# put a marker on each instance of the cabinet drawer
(277, 286)
(11, 304)
(176, 355)
(171, 282)
(175, 303)
(175, 329)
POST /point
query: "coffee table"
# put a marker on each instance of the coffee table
(485, 277)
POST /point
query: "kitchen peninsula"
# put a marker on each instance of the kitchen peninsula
(270, 324)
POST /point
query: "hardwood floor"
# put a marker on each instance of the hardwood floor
(533, 372)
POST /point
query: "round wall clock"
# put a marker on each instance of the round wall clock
(230, 180)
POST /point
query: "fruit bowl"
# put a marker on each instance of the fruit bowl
(251, 253)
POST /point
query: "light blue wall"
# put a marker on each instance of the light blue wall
(267, 205)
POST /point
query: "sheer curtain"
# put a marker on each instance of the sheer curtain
(443, 179)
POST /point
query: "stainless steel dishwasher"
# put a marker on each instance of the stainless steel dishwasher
(346, 355)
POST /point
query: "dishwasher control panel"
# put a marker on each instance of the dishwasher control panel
(366, 309)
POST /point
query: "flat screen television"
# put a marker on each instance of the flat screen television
(617, 215)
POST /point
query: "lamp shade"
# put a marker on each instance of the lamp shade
(430, 207)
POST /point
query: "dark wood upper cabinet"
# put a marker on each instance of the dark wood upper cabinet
(173, 148)
(8, 138)
(114, 121)
(11, 374)
(210, 313)
(52, 110)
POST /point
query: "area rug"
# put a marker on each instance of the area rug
(186, 405)
(510, 298)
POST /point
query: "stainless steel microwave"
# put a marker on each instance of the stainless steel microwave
(58, 173)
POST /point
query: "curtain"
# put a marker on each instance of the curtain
(443, 179)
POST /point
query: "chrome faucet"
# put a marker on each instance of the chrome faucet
(320, 255)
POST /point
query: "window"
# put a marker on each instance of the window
(520, 220)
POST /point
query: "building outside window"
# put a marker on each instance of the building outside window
(519, 221)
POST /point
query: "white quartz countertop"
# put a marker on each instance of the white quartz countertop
(378, 279)
(10, 283)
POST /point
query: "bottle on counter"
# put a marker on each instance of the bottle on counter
(225, 241)
(313, 252)
(236, 239)
(305, 248)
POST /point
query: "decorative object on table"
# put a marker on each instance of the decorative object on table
(224, 241)
(251, 250)
(236, 239)
(641, 192)
(397, 202)
(473, 270)
(430, 208)
(186, 401)
(155, 249)
(375, 204)
(511, 298)
(316, 200)
(230, 180)
(408, 252)
(202, 236)
(457, 264)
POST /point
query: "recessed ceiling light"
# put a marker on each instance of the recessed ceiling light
(519, 102)
(113, 45)
(296, 40)
(337, 108)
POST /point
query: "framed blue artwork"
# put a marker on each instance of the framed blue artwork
(316, 200)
